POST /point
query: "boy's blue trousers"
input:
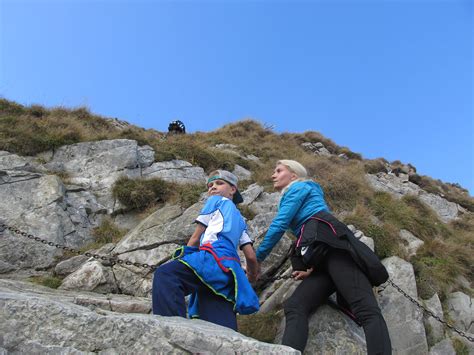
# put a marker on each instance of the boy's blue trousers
(173, 281)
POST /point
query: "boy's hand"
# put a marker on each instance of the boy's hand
(301, 275)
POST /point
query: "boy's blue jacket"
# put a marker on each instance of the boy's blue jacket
(302, 200)
(232, 285)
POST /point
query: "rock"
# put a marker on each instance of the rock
(241, 172)
(403, 318)
(97, 165)
(251, 194)
(435, 330)
(316, 148)
(413, 242)
(446, 210)
(93, 301)
(9, 161)
(36, 204)
(146, 156)
(62, 327)
(277, 293)
(256, 229)
(178, 171)
(266, 203)
(91, 276)
(461, 310)
(70, 265)
(444, 347)
(331, 332)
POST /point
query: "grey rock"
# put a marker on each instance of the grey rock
(35, 203)
(91, 276)
(436, 329)
(251, 194)
(413, 243)
(241, 172)
(146, 156)
(331, 332)
(9, 161)
(404, 320)
(37, 318)
(273, 297)
(444, 347)
(70, 265)
(128, 220)
(446, 210)
(461, 310)
(178, 171)
(266, 202)
(97, 165)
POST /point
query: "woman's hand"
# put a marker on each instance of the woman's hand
(301, 275)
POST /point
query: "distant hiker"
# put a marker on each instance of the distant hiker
(209, 268)
(328, 258)
(176, 127)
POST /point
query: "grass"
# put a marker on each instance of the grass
(260, 326)
(48, 281)
(140, 194)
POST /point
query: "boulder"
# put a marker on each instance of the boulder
(38, 323)
(461, 309)
(404, 319)
(434, 329)
(412, 242)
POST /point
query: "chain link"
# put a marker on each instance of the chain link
(114, 261)
(427, 311)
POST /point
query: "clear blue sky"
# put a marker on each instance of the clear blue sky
(390, 79)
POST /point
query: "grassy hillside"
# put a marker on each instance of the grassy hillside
(445, 257)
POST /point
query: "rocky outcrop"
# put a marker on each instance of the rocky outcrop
(41, 205)
(398, 187)
(317, 148)
(32, 322)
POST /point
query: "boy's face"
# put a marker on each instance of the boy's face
(221, 188)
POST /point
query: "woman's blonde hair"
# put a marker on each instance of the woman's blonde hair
(294, 167)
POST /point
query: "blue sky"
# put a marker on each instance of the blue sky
(390, 79)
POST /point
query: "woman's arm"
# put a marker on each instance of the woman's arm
(194, 240)
(290, 204)
(251, 260)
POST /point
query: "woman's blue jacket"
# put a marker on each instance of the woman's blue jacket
(300, 201)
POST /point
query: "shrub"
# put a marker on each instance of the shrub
(48, 281)
(375, 166)
(139, 193)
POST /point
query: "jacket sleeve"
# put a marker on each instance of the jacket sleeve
(291, 202)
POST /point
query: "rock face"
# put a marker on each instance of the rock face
(398, 187)
(38, 204)
(62, 195)
(404, 320)
(36, 323)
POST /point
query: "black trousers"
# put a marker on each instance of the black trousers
(339, 273)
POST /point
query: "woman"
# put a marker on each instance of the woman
(329, 259)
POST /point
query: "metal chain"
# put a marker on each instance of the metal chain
(112, 260)
(115, 261)
(426, 310)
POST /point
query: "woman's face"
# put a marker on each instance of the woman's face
(282, 176)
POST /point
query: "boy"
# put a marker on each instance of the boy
(209, 266)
